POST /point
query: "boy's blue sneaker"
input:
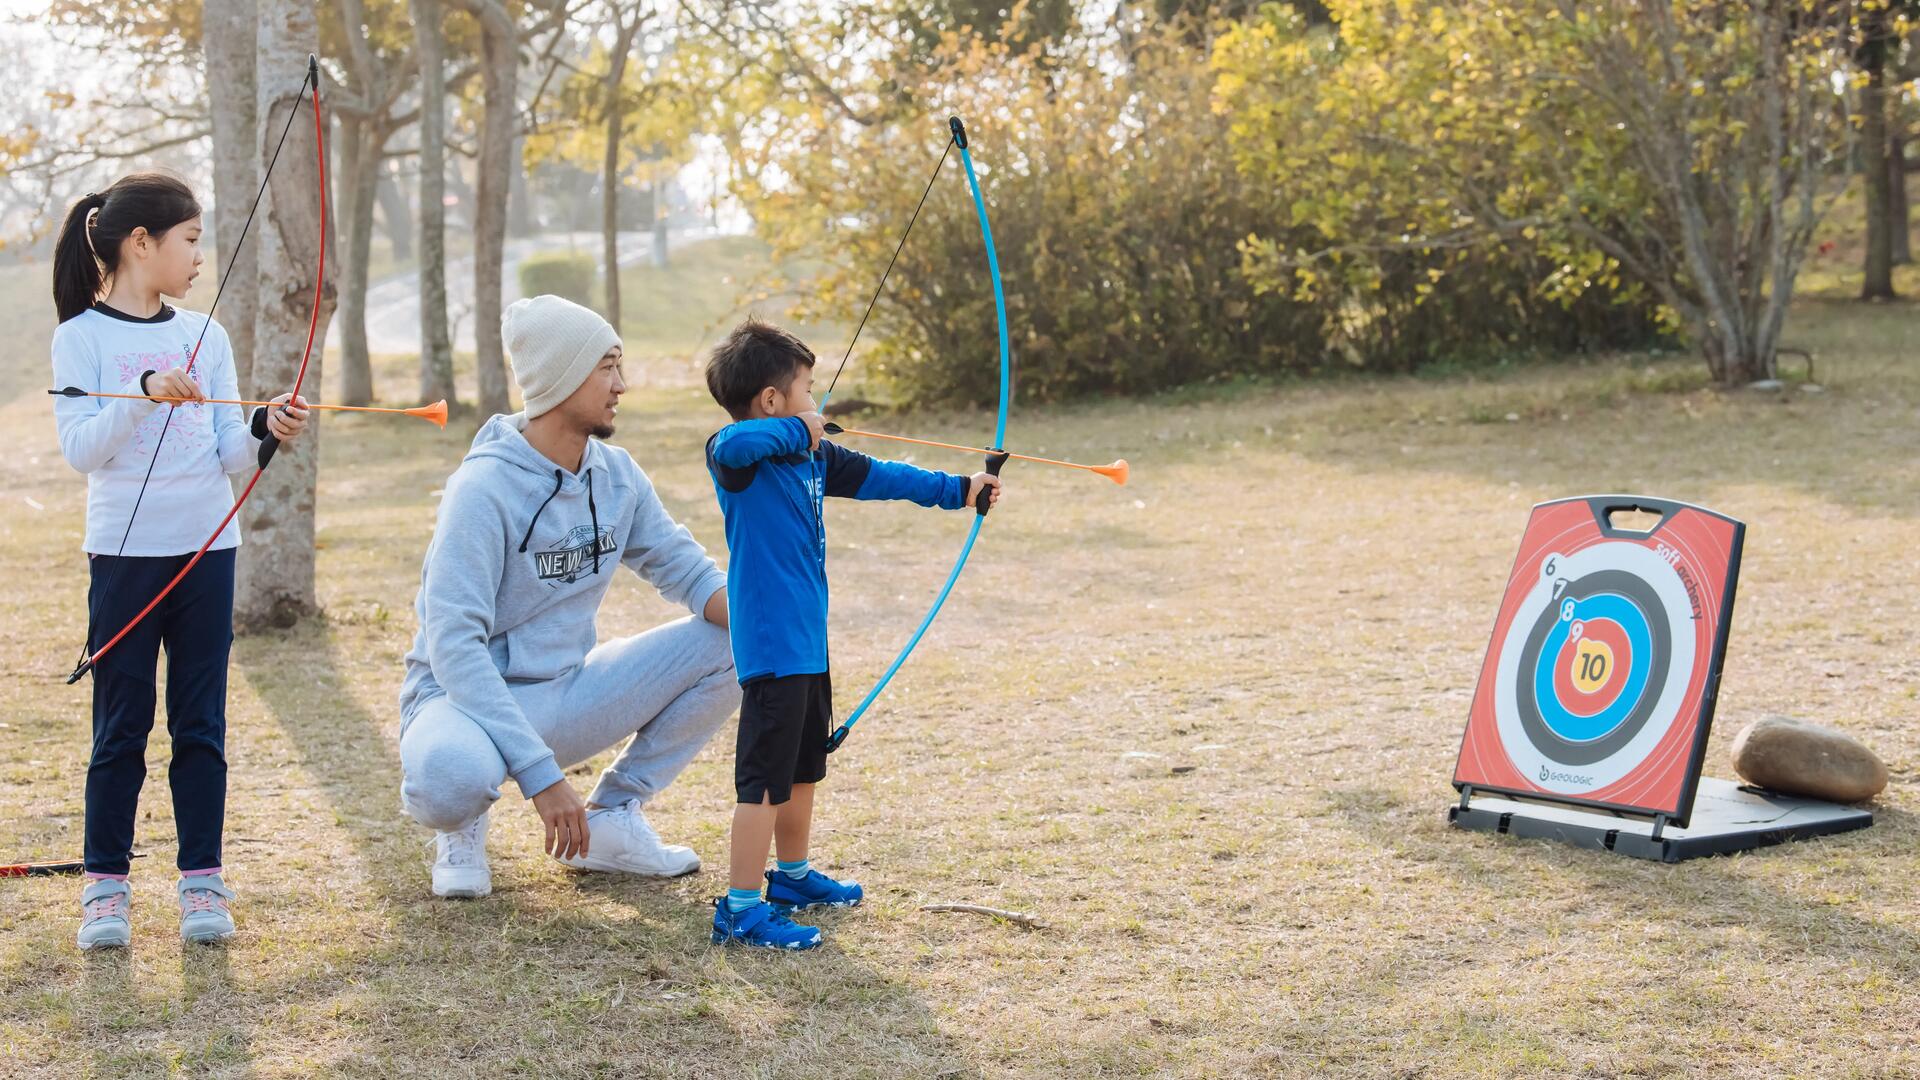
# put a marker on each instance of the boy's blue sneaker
(815, 890)
(762, 926)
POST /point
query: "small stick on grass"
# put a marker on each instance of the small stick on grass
(1021, 918)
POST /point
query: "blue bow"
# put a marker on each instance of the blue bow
(998, 458)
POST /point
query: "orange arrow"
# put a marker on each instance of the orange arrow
(1116, 472)
(436, 412)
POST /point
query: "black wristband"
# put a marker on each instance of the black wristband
(260, 422)
(143, 379)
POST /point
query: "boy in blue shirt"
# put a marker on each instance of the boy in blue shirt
(771, 471)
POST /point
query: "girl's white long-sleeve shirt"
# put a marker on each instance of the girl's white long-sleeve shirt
(112, 440)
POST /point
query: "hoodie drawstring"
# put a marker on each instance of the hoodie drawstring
(543, 509)
(593, 514)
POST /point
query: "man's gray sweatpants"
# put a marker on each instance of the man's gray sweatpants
(669, 688)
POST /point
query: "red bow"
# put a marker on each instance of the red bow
(271, 443)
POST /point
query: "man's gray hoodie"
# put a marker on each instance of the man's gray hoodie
(520, 559)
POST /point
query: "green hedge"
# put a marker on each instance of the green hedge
(571, 276)
(1122, 226)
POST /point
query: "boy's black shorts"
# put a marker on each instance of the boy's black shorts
(785, 721)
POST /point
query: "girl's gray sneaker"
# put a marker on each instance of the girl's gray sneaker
(206, 915)
(103, 915)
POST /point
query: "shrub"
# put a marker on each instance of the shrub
(559, 273)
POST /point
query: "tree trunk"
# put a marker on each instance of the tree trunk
(659, 222)
(1737, 369)
(436, 348)
(363, 139)
(615, 108)
(500, 84)
(610, 212)
(275, 582)
(616, 117)
(396, 222)
(463, 197)
(229, 34)
(1899, 211)
(1752, 368)
(1873, 161)
(359, 163)
(520, 219)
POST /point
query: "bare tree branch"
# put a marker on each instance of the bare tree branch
(793, 62)
(67, 163)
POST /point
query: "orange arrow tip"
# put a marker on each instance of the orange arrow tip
(1116, 472)
(437, 412)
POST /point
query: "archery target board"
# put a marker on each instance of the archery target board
(1599, 682)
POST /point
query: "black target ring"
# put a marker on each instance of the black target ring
(1635, 591)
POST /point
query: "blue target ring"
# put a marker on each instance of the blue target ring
(1558, 718)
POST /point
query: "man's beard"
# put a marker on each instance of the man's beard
(602, 432)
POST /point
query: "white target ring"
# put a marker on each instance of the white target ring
(1546, 765)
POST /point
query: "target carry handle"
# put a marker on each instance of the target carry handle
(1605, 506)
(983, 502)
(1611, 503)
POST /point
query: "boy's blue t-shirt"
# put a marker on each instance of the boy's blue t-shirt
(770, 490)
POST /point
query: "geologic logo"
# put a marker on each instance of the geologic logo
(1549, 776)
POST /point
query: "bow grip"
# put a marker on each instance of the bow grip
(839, 736)
(983, 502)
(267, 446)
(959, 131)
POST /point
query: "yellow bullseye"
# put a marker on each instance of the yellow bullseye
(1592, 663)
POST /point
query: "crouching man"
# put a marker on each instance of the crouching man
(505, 678)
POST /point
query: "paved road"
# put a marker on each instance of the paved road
(393, 303)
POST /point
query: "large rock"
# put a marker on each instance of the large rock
(1798, 758)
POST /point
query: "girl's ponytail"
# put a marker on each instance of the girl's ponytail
(76, 270)
(89, 246)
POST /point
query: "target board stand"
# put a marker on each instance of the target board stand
(1590, 721)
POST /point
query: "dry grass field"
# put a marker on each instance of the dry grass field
(1202, 725)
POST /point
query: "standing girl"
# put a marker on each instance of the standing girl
(118, 254)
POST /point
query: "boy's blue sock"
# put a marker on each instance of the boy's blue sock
(795, 870)
(739, 900)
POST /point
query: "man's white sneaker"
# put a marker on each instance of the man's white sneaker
(621, 840)
(460, 861)
(103, 915)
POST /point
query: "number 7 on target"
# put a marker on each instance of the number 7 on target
(1550, 568)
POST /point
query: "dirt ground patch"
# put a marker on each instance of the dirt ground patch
(1202, 724)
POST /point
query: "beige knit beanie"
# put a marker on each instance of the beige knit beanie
(554, 344)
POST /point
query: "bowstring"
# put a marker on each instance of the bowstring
(193, 356)
(818, 466)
